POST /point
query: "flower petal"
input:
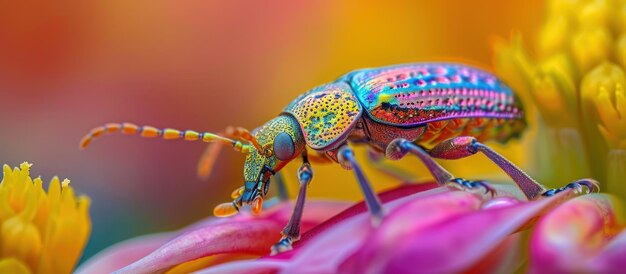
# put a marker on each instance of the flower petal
(123, 253)
(325, 247)
(447, 233)
(568, 237)
(244, 234)
(611, 258)
(252, 236)
(325, 252)
(12, 265)
(207, 262)
(248, 266)
(360, 207)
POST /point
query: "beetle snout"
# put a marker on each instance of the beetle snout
(249, 192)
(252, 196)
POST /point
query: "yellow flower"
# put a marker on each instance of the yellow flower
(40, 232)
(577, 84)
(603, 93)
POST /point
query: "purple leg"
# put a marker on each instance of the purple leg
(347, 160)
(398, 148)
(590, 184)
(461, 147)
(471, 185)
(291, 232)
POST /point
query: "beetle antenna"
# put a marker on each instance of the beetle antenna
(211, 153)
(207, 160)
(167, 134)
(244, 134)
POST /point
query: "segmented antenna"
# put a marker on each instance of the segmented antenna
(210, 155)
(167, 134)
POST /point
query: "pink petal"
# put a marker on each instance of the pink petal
(242, 234)
(327, 244)
(507, 256)
(612, 257)
(566, 239)
(123, 253)
(247, 266)
(325, 252)
(360, 207)
(442, 234)
(248, 237)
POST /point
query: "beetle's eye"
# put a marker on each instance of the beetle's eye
(283, 146)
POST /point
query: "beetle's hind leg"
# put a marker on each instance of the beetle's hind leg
(461, 147)
(399, 148)
(590, 185)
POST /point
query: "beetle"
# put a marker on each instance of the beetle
(430, 110)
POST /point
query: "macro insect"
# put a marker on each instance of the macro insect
(430, 110)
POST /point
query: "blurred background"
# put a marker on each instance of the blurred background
(204, 65)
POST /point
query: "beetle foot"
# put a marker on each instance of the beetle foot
(283, 245)
(471, 185)
(583, 186)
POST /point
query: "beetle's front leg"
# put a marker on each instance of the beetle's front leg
(461, 147)
(291, 232)
(347, 160)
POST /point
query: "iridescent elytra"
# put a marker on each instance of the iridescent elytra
(431, 110)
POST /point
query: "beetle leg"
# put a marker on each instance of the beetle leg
(461, 147)
(398, 148)
(347, 160)
(590, 184)
(466, 184)
(377, 160)
(291, 232)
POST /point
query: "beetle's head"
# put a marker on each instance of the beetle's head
(280, 141)
(268, 148)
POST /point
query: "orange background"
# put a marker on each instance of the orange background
(65, 68)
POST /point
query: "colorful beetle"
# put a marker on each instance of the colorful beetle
(431, 110)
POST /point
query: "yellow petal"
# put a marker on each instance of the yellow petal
(14, 266)
(554, 92)
(513, 64)
(619, 20)
(599, 116)
(604, 101)
(44, 233)
(21, 240)
(566, 7)
(554, 35)
(591, 47)
(595, 14)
